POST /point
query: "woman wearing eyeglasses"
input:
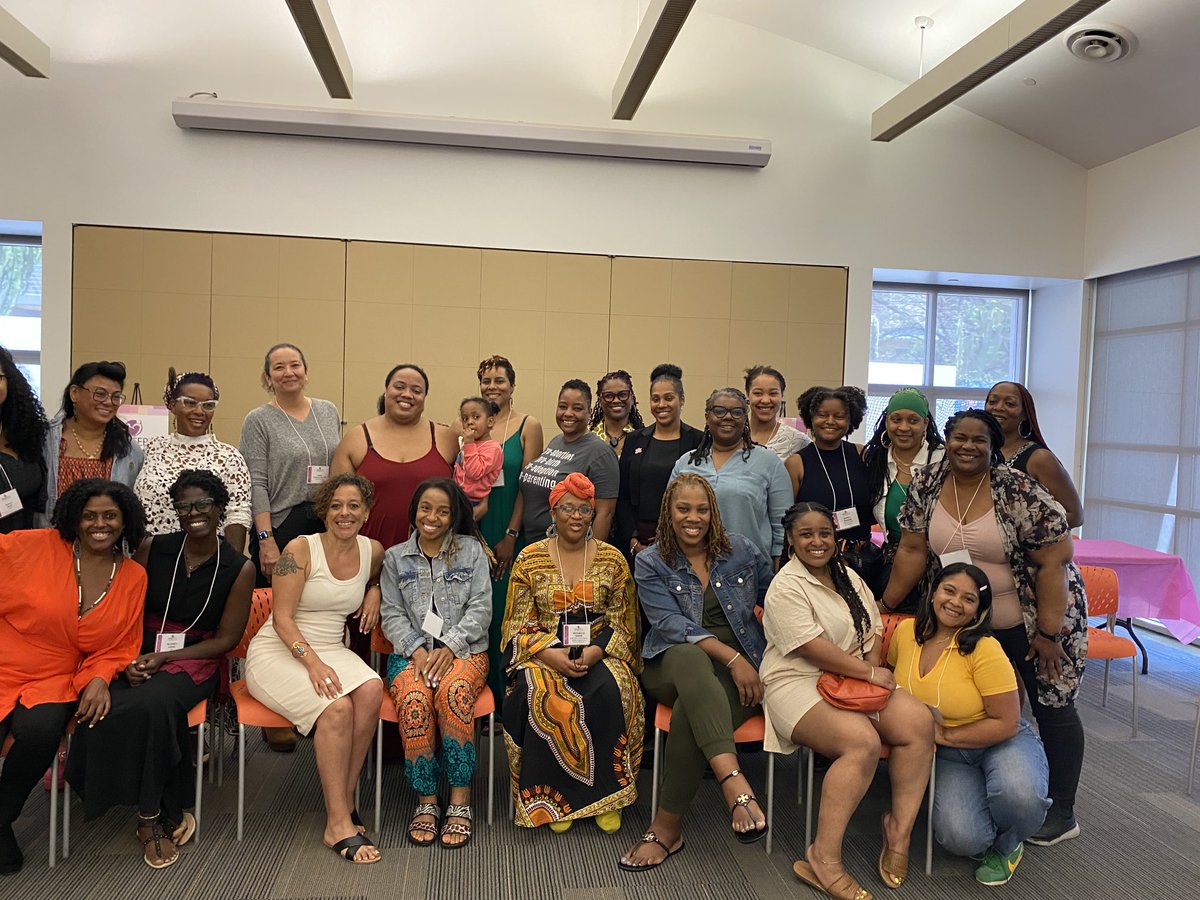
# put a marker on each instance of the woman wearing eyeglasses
(192, 399)
(86, 439)
(752, 486)
(615, 413)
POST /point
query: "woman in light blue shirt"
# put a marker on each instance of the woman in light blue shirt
(752, 486)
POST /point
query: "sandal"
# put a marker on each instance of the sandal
(844, 887)
(424, 828)
(893, 866)
(182, 832)
(744, 800)
(456, 812)
(347, 849)
(357, 822)
(649, 838)
(163, 853)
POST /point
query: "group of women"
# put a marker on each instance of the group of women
(724, 571)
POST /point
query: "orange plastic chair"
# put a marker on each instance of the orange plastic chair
(1103, 596)
(485, 705)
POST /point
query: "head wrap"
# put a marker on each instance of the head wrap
(910, 399)
(576, 484)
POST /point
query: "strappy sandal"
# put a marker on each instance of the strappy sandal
(649, 838)
(893, 866)
(357, 822)
(154, 856)
(347, 849)
(744, 800)
(456, 812)
(429, 828)
(844, 887)
(181, 832)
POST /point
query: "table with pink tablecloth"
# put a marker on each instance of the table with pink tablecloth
(1152, 585)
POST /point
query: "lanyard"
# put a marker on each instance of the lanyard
(846, 466)
(945, 664)
(171, 590)
(79, 581)
(570, 592)
(959, 524)
(312, 411)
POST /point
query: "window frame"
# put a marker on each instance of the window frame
(25, 357)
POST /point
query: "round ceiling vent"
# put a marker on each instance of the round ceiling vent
(1101, 43)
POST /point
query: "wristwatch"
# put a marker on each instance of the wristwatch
(1050, 637)
(512, 534)
(263, 535)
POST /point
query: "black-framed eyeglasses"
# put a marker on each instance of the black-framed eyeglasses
(571, 512)
(204, 504)
(100, 395)
(610, 396)
(727, 412)
(188, 404)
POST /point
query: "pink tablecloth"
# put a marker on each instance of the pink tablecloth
(1153, 585)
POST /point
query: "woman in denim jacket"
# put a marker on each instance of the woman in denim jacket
(437, 605)
(699, 586)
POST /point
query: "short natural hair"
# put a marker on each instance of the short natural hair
(207, 481)
(325, 492)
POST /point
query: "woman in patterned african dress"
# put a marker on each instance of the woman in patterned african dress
(573, 711)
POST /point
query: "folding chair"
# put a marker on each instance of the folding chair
(1102, 600)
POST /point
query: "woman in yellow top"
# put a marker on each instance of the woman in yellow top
(992, 777)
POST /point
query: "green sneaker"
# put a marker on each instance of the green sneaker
(996, 870)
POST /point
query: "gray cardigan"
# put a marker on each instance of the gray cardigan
(278, 451)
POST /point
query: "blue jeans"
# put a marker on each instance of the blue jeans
(991, 798)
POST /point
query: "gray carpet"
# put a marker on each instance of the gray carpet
(1141, 833)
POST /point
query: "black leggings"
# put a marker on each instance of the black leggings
(1059, 726)
(36, 733)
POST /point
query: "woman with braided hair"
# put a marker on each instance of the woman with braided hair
(192, 399)
(750, 481)
(820, 617)
(615, 413)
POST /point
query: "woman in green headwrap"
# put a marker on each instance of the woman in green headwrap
(906, 438)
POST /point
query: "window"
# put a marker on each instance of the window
(21, 303)
(952, 343)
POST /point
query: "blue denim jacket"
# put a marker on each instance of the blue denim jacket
(673, 600)
(461, 593)
(125, 468)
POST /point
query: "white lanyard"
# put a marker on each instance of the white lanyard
(845, 465)
(577, 634)
(312, 411)
(945, 664)
(171, 590)
(957, 533)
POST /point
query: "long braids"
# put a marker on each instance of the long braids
(837, 566)
(704, 450)
(716, 543)
(875, 453)
(635, 417)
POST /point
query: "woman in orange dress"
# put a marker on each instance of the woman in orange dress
(70, 620)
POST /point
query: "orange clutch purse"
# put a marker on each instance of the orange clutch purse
(853, 694)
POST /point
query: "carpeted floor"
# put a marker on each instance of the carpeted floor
(1141, 833)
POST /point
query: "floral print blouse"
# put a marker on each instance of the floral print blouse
(167, 456)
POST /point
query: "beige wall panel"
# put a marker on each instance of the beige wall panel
(578, 283)
(106, 324)
(528, 399)
(447, 276)
(813, 350)
(379, 273)
(445, 337)
(175, 321)
(638, 343)
(153, 372)
(178, 262)
(241, 389)
(817, 294)
(701, 289)
(312, 269)
(378, 333)
(450, 384)
(227, 428)
(515, 280)
(317, 327)
(754, 344)
(640, 286)
(325, 380)
(700, 346)
(578, 343)
(363, 383)
(244, 326)
(760, 291)
(519, 335)
(108, 258)
(698, 388)
(245, 265)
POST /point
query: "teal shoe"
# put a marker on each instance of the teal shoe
(996, 870)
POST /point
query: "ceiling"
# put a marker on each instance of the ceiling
(1090, 113)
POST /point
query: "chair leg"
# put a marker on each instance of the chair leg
(53, 806)
(654, 774)
(491, 788)
(220, 736)
(66, 814)
(770, 796)
(1195, 741)
(241, 792)
(200, 776)
(1134, 663)
(1104, 693)
(808, 806)
(929, 817)
(378, 773)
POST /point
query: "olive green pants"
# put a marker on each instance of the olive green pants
(705, 711)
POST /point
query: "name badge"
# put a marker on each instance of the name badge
(955, 556)
(9, 503)
(432, 624)
(577, 635)
(165, 643)
(317, 474)
(845, 518)
(499, 479)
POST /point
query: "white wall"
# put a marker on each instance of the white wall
(1059, 336)
(96, 144)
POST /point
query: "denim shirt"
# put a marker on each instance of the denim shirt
(673, 600)
(125, 468)
(461, 592)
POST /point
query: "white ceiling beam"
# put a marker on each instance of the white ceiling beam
(995, 48)
(660, 26)
(21, 48)
(314, 18)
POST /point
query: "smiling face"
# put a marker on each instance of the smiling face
(433, 517)
(691, 518)
(286, 372)
(198, 513)
(956, 601)
(616, 399)
(725, 417)
(572, 517)
(906, 429)
(766, 395)
(100, 524)
(347, 512)
(665, 403)
(90, 410)
(1004, 403)
(572, 411)
(830, 423)
(812, 540)
(404, 397)
(191, 417)
(495, 385)
(969, 448)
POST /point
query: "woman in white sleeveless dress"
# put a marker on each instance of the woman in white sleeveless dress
(299, 666)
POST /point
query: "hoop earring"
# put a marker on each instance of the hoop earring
(588, 536)
(552, 531)
(1025, 430)
(885, 440)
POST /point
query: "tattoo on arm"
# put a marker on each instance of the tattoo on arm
(286, 565)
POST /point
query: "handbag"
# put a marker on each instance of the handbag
(852, 694)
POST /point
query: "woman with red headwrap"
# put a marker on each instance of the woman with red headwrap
(573, 711)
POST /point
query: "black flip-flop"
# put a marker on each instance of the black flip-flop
(650, 838)
(347, 848)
